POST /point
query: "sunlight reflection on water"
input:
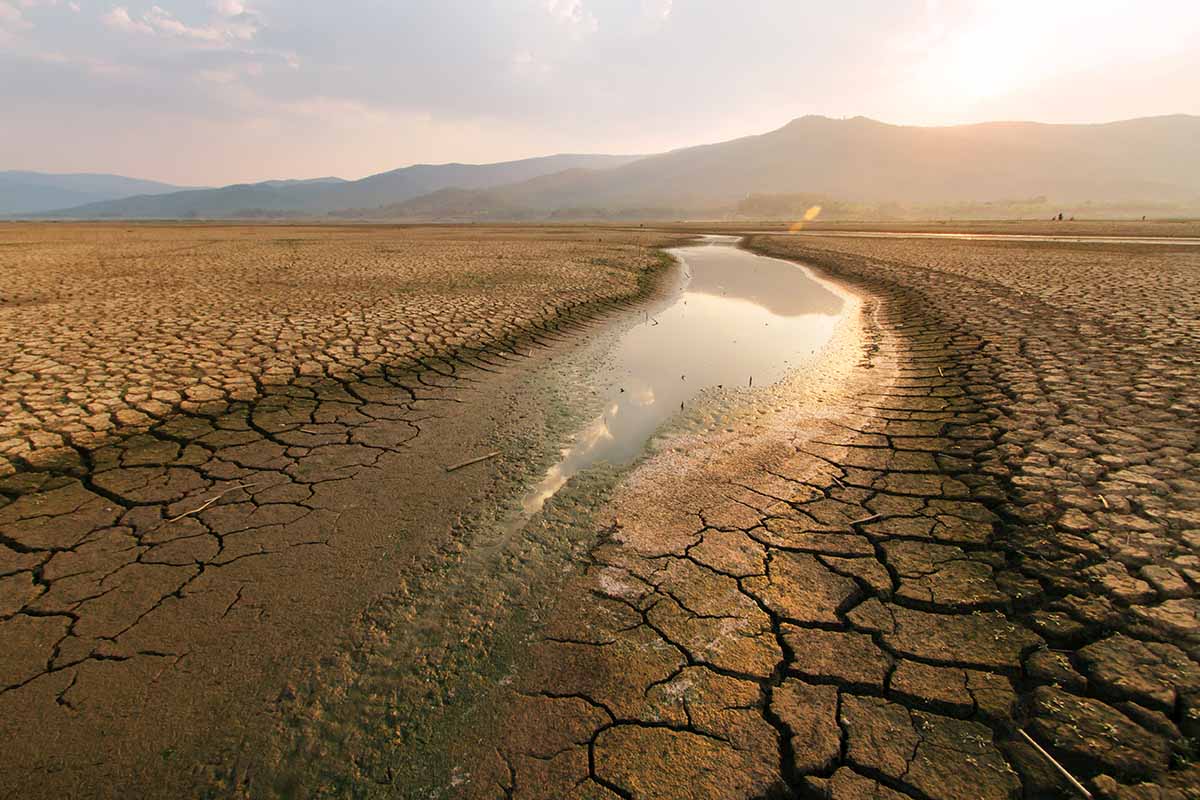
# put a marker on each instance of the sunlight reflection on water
(739, 320)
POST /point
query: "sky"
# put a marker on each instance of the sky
(209, 92)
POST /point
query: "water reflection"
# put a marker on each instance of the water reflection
(740, 318)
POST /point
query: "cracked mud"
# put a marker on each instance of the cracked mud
(979, 516)
(214, 439)
(992, 526)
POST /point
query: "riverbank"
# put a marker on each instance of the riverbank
(1071, 430)
(370, 720)
(995, 541)
(279, 406)
(972, 515)
(654, 672)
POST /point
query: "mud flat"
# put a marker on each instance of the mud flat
(400, 714)
(970, 511)
(982, 526)
(1155, 228)
(219, 443)
(1087, 228)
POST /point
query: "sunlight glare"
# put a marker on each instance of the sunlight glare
(809, 216)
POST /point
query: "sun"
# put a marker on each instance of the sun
(999, 51)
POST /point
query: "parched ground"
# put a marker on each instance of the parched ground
(1157, 228)
(994, 534)
(110, 328)
(215, 439)
(212, 441)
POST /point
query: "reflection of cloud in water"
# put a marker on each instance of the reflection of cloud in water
(773, 284)
(589, 439)
(740, 315)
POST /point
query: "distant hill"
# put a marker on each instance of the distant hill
(301, 182)
(856, 167)
(1152, 160)
(320, 196)
(24, 192)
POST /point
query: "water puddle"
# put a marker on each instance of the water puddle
(455, 628)
(737, 320)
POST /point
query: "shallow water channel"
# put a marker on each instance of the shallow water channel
(457, 630)
(736, 320)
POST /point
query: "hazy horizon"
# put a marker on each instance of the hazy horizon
(535, 155)
(226, 91)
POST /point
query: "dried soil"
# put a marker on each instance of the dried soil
(220, 443)
(986, 524)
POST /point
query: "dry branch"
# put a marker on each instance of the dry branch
(475, 460)
(209, 502)
(1079, 787)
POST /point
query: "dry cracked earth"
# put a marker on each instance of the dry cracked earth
(202, 432)
(996, 531)
(998, 538)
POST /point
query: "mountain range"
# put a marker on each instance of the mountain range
(1153, 160)
(25, 192)
(1150, 162)
(322, 195)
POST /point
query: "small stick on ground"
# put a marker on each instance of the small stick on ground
(1102, 500)
(1079, 787)
(865, 520)
(211, 501)
(475, 460)
(838, 481)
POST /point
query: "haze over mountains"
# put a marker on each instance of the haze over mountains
(322, 195)
(856, 164)
(24, 192)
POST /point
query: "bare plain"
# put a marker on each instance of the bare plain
(216, 439)
(973, 519)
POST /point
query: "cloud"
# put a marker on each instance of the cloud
(217, 76)
(555, 74)
(93, 66)
(571, 13)
(10, 10)
(9, 14)
(118, 19)
(166, 23)
(659, 10)
(11, 19)
(234, 23)
(651, 16)
(526, 65)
